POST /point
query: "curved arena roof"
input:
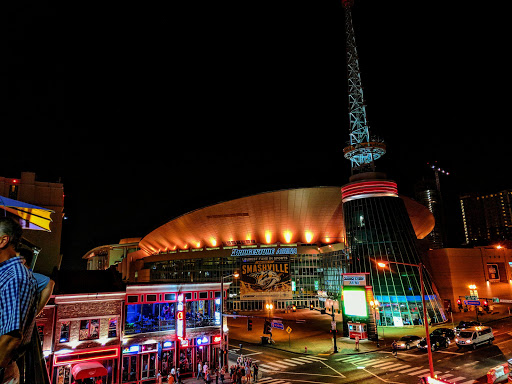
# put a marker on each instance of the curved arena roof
(305, 215)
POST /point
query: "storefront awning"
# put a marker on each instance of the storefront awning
(87, 370)
(36, 217)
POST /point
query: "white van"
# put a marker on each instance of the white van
(471, 337)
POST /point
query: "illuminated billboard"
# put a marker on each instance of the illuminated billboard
(354, 302)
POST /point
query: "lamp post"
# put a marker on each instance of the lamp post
(334, 305)
(420, 266)
(374, 304)
(221, 354)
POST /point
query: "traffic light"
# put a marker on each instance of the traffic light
(249, 324)
(310, 307)
(459, 304)
(486, 306)
(267, 328)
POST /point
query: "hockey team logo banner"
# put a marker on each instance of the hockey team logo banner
(266, 277)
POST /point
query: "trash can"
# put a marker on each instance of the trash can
(264, 340)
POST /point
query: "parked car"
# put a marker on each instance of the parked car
(466, 324)
(447, 332)
(471, 337)
(436, 341)
(407, 342)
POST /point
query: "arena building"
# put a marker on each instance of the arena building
(289, 247)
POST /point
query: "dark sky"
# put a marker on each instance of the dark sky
(149, 110)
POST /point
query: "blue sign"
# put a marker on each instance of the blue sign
(472, 302)
(277, 325)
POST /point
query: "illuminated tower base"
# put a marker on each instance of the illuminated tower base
(378, 228)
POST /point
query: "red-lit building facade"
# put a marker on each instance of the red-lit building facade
(129, 336)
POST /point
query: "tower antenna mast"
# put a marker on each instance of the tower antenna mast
(362, 151)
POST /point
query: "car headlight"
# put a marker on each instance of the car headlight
(456, 340)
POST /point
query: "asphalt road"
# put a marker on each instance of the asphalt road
(459, 366)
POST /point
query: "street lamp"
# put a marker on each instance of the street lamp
(334, 305)
(221, 354)
(425, 320)
(269, 308)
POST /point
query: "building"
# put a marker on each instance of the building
(379, 229)
(298, 233)
(428, 195)
(43, 194)
(127, 334)
(489, 269)
(105, 256)
(487, 218)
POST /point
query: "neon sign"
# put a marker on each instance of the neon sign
(180, 318)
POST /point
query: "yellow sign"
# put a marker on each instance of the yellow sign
(289, 330)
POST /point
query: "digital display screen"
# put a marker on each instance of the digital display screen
(354, 302)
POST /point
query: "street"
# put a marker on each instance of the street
(464, 366)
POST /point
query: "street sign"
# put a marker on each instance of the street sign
(505, 301)
(471, 297)
(277, 325)
(289, 330)
(472, 302)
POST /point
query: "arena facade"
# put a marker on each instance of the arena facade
(289, 247)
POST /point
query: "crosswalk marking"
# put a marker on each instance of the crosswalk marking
(386, 364)
(352, 358)
(289, 363)
(411, 369)
(419, 372)
(278, 364)
(308, 359)
(295, 361)
(399, 366)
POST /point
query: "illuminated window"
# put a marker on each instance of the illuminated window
(112, 327)
(64, 332)
(89, 329)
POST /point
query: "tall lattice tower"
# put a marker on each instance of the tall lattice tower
(362, 150)
(377, 225)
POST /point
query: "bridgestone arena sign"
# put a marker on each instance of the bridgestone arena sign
(263, 251)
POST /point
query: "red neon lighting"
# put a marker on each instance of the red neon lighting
(369, 187)
(109, 353)
(216, 339)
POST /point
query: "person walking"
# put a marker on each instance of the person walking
(394, 348)
(199, 370)
(255, 372)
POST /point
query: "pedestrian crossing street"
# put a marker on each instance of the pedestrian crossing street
(400, 368)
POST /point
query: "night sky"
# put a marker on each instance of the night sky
(146, 111)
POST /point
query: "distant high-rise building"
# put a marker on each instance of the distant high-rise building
(428, 195)
(487, 218)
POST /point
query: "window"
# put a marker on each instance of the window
(203, 295)
(112, 327)
(150, 297)
(170, 297)
(89, 329)
(64, 332)
(133, 299)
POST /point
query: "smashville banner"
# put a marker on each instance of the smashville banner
(266, 277)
